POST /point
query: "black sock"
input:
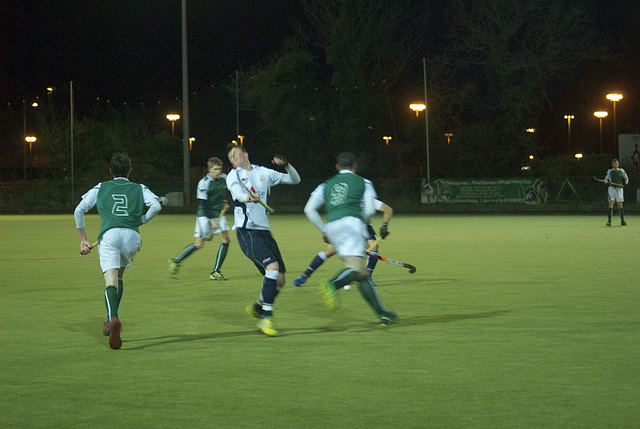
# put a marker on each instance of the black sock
(621, 214)
(610, 213)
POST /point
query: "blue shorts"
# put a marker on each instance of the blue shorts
(259, 246)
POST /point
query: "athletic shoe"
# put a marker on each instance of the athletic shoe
(387, 319)
(608, 223)
(115, 342)
(330, 295)
(300, 280)
(254, 310)
(173, 269)
(623, 223)
(106, 331)
(217, 275)
(268, 327)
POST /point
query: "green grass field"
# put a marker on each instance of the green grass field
(509, 322)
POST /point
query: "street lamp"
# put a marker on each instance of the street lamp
(24, 134)
(241, 139)
(173, 117)
(191, 140)
(569, 118)
(417, 107)
(30, 140)
(614, 97)
(386, 139)
(448, 135)
(600, 114)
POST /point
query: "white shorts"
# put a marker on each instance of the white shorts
(348, 235)
(117, 248)
(616, 194)
(203, 226)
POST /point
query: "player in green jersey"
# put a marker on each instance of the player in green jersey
(211, 195)
(120, 206)
(616, 178)
(348, 200)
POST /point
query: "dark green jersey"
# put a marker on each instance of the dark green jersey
(617, 177)
(120, 205)
(211, 193)
(343, 195)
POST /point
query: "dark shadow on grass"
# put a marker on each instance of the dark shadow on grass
(361, 327)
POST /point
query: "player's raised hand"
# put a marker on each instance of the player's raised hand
(280, 160)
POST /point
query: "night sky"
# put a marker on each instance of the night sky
(129, 51)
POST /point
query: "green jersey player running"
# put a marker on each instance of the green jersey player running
(348, 200)
(120, 206)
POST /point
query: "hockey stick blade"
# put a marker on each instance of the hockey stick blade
(410, 267)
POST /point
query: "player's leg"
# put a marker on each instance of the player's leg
(202, 228)
(223, 233)
(317, 261)
(612, 199)
(256, 245)
(621, 211)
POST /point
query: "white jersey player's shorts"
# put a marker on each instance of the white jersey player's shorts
(117, 248)
(203, 226)
(616, 194)
(348, 235)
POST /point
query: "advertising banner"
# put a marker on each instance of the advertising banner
(530, 191)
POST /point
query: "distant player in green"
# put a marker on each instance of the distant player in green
(211, 195)
(348, 200)
(120, 206)
(616, 178)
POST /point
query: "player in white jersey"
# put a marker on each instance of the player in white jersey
(120, 206)
(251, 223)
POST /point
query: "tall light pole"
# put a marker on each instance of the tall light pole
(569, 118)
(71, 138)
(24, 134)
(50, 90)
(600, 115)
(186, 155)
(614, 97)
(419, 107)
(173, 117)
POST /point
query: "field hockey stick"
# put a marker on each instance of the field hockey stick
(410, 267)
(374, 244)
(610, 183)
(254, 195)
(92, 246)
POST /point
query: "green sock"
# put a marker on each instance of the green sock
(120, 292)
(222, 254)
(185, 252)
(370, 295)
(111, 301)
(344, 277)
